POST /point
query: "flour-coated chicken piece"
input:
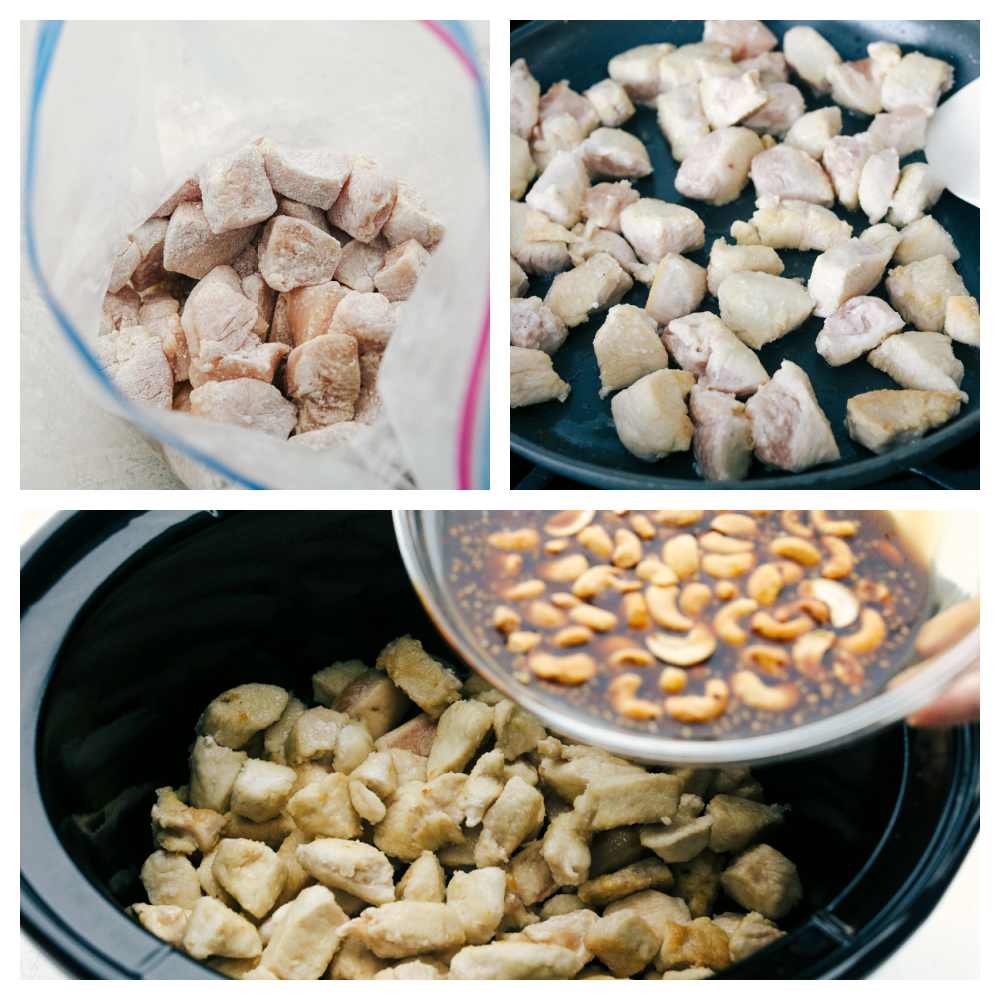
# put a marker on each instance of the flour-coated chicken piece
(524, 94)
(844, 158)
(532, 379)
(916, 79)
(682, 119)
(859, 325)
(656, 228)
(884, 56)
(677, 289)
(725, 260)
(611, 152)
(961, 319)
(920, 359)
(718, 167)
(919, 292)
(857, 85)
(729, 99)
(791, 225)
(883, 235)
(851, 269)
(651, 415)
(925, 237)
(539, 228)
(723, 445)
(879, 177)
(786, 107)
(710, 67)
(811, 56)
(600, 241)
(535, 327)
(703, 345)
(814, 130)
(598, 284)
(611, 101)
(518, 280)
(885, 419)
(559, 192)
(522, 167)
(772, 67)
(746, 39)
(790, 173)
(905, 129)
(627, 348)
(919, 188)
(565, 119)
(603, 205)
(532, 256)
(638, 70)
(761, 307)
(790, 430)
(680, 67)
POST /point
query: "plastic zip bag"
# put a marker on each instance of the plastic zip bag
(124, 112)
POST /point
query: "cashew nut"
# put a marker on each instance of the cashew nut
(870, 636)
(765, 584)
(827, 526)
(726, 590)
(596, 618)
(673, 679)
(642, 526)
(506, 620)
(795, 548)
(595, 538)
(594, 581)
(653, 571)
(678, 518)
(621, 694)
(662, 604)
(628, 549)
(564, 570)
(700, 708)
(515, 541)
(545, 615)
(808, 653)
(945, 629)
(736, 524)
(512, 564)
(844, 606)
(634, 611)
(555, 545)
(752, 691)
(625, 584)
(619, 513)
(525, 590)
(728, 566)
(847, 669)
(521, 642)
(726, 627)
(769, 627)
(771, 659)
(791, 523)
(572, 635)
(842, 561)
(680, 553)
(630, 656)
(695, 597)
(683, 651)
(817, 610)
(573, 669)
(792, 572)
(568, 522)
(564, 600)
(888, 552)
(712, 541)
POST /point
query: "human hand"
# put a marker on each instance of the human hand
(958, 705)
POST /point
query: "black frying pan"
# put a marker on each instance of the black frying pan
(577, 438)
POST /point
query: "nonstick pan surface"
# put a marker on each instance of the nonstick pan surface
(577, 438)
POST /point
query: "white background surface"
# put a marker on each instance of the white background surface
(945, 946)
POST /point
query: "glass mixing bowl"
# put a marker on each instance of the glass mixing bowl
(947, 541)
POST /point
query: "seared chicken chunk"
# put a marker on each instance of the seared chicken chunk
(214, 770)
(422, 816)
(534, 327)
(518, 280)
(920, 291)
(351, 866)
(753, 933)
(532, 256)
(610, 152)
(603, 205)
(811, 56)
(677, 290)
(624, 801)
(478, 899)
(214, 929)
(772, 67)
(515, 960)
(627, 348)
(565, 119)
(324, 808)
(857, 85)
(879, 177)
(697, 883)
(686, 836)
(760, 307)
(893, 418)
(687, 64)
(723, 446)
(611, 101)
(726, 260)
(727, 100)
(792, 225)
(925, 237)
(399, 930)
(717, 168)
(601, 241)
(859, 325)
(170, 880)
(596, 285)
(427, 681)
(854, 268)
(656, 908)
(559, 192)
(524, 94)
(682, 119)
(651, 416)
(745, 39)
(638, 70)
(168, 923)
(460, 730)
(303, 943)
(517, 812)
(233, 717)
(811, 132)
(697, 943)
(905, 129)
(790, 173)
(624, 942)
(785, 108)
(844, 159)
(916, 80)
(650, 873)
(532, 379)
(739, 822)
(522, 167)
(920, 360)
(261, 789)
(961, 319)
(706, 347)
(764, 880)
(656, 228)
(180, 829)
(919, 187)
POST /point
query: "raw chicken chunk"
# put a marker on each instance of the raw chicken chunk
(916, 80)
(706, 347)
(596, 285)
(532, 379)
(920, 360)
(603, 205)
(726, 260)
(535, 327)
(771, 65)
(851, 269)
(627, 348)
(677, 290)
(844, 158)
(295, 253)
(925, 237)
(760, 307)
(245, 402)
(651, 416)
(559, 192)
(534, 257)
(859, 325)
(893, 418)
(879, 177)
(611, 101)
(359, 263)
(638, 70)
(310, 309)
(685, 65)
(961, 319)
(190, 247)
(682, 119)
(722, 450)
(565, 119)
(904, 129)
(789, 429)
(323, 375)
(518, 280)
(215, 364)
(412, 219)
(745, 39)
(811, 132)
(522, 167)
(310, 176)
(792, 225)
(149, 238)
(919, 188)
(857, 85)
(920, 291)
(790, 173)
(296, 210)
(401, 270)
(763, 880)
(610, 152)
(719, 165)
(524, 94)
(366, 200)
(811, 56)
(333, 434)
(727, 100)
(235, 190)
(780, 113)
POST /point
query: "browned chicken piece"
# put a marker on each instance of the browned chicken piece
(763, 880)
(859, 325)
(697, 943)
(596, 285)
(402, 929)
(565, 119)
(568, 930)
(603, 204)
(904, 129)
(650, 873)
(772, 67)
(535, 327)
(524, 94)
(627, 348)
(428, 682)
(703, 345)
(303, 943)
(793, 225)
(515, 960)
(415, 736)
(760, 307)
(698, 880)
(893, 418)
(422, 817)
(920, 291)
(961, 320)
(559, 192)
(651, 415)
(753, 933)
(684, 839)
(739, 822)
(745, 39)
(718, 167)
(656, 908)
(780, 113)
(624, 942)
(916, 80)
(638, 70)
(533, 380)
(790, 173)
(723, 444)
(611, 101)
(851, 269)
(811, 56)
(214, 929)
(920, 360)
(811, 132)
(610, 152)
(924, 237)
